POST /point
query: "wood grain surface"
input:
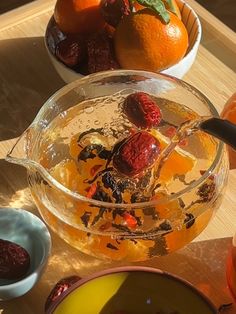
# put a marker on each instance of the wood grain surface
(27, 79)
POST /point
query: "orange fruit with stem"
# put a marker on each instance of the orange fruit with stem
(144, 42)
(78, 16)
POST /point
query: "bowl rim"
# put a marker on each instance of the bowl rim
(164, 71)
(121, 269)
(47, 248)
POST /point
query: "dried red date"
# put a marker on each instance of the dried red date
(114, 10)
(142, 110)
(14, 260)
(136, 154)
(70, 51)
(60, 287)
(101, 56)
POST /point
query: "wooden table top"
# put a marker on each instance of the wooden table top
(27, 79)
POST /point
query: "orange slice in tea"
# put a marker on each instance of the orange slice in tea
(75, 149)
(67, 174)
(179, 238)
(90, 167)
(178, 163)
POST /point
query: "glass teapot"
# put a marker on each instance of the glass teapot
(68, 151)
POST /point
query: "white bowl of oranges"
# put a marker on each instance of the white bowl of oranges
(88, 36)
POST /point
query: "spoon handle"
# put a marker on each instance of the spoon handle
(222, 129)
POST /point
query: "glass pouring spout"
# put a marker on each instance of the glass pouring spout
(25, 152)
(21, 151)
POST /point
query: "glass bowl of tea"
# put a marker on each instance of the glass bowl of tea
(118, 168)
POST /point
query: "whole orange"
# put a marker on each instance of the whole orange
(144, 42)
(78, 16)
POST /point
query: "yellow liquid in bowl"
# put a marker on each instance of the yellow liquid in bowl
(134, 293)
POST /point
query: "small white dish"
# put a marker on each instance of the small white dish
(193, 26)
(27, 230)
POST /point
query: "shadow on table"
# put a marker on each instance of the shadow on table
(8, 5)
(23, 90)
(27, 80)
(223, 10)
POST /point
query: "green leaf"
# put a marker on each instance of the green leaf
(157, 6)
(170, 6)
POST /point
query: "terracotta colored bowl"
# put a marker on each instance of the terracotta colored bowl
(132, 290)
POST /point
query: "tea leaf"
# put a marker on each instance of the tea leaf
(112, 247)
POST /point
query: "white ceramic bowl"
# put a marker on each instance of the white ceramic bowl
(190, 20)
(27, 230)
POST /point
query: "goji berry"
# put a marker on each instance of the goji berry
(136, 154)
(142, 110)
(130, 220)
(92, 190)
